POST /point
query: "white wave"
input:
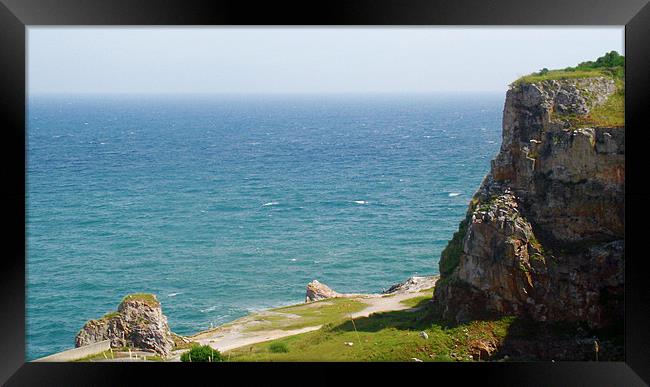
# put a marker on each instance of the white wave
(270, 204)
(173, 294)
(360, 201)
(210, 309)
(452, 194)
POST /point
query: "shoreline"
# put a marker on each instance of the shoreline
(238, 334)
(322, 306)
(242, 331)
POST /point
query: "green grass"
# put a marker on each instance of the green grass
(561, 75)
(316, 313)
(450, 256)
(418, 301)
(390, 336)
(278, 347)
(114, 354)
(97, 356)
(109, 315)
(609, 114)
(147, 298)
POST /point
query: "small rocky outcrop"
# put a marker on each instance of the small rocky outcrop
(138, 323)
(544, 235)
(318, 291)
(413, 285)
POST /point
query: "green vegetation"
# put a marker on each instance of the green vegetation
(203, 353)
(419, 301)
(610, 60)
(315, 313)
(609, 65)
(278, 347)
(390, 336)
(116, 353)
(609, 114)
(109, 315)
(450, 256)
(396, 336)
(560, 75)
(147, 298)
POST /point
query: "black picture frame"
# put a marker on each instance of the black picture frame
(17, 15)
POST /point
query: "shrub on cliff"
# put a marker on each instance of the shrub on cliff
(203, 353)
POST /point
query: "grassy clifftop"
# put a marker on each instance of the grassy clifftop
(609, 65)
(611, 113)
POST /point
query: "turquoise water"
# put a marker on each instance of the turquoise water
(222, 205)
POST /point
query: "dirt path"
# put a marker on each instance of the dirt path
(236, 335)
(385, 304)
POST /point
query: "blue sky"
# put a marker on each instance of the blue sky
(302, 60)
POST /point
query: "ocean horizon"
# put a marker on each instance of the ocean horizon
(222, 205)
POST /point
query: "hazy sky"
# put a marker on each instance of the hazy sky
(312, 60)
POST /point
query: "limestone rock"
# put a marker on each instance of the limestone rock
(318, 291)
(138, 323)
(544, 234)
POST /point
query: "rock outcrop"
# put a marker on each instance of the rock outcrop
(138, 323)
(413, 285)
(318, 291)
(544, 235)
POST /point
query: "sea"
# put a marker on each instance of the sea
(222, 205)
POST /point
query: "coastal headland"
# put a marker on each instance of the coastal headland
(534, 272)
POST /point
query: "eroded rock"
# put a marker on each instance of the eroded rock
(318, 291)
(138, 323)
(413, 285)
(543, 237)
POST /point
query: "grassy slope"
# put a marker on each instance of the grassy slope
(562, 74)
(390, 336)
(305, 315)
(609, 114)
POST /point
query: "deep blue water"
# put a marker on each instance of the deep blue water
(222, 205)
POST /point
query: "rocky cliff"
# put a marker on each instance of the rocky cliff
(138, 323)
(543, 237)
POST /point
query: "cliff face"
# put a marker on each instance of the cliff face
(543, 236)
(138, 323)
